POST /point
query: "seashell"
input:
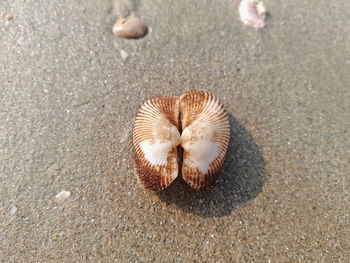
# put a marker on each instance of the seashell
(205, 136)
(253, 13)
(132, 28)
(63, 195)
(156, 137)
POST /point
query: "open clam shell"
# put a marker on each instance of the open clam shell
(155, 138)
(205, 135)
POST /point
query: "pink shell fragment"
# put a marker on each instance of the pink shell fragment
(252, 13)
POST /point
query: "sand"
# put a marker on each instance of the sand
(69, 92)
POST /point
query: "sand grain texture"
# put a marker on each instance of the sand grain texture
(68, 102)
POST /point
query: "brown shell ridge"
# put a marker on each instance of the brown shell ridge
(155, 179)
(154, 123)
(202, 111)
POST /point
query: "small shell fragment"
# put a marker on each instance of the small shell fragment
(205, 128)
(261, 8)
(13, 210)
(123, 54)
(8, 16)
(132, 28)
(253, 13)
(63, 195)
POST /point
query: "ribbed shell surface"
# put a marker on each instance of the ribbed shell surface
(155, 137)
(205, 133)
(205, 137)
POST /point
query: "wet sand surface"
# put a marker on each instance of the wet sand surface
(69, 91)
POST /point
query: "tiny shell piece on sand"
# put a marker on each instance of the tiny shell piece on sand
(123, 54)
(63, 195)
(8, 16)
(13, 210)
(253, 13)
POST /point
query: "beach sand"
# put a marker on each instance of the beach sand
(69, 92)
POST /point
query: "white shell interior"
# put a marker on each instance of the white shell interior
(157, 152)
(203, 151)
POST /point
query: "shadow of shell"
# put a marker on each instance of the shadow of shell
(242, 179)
